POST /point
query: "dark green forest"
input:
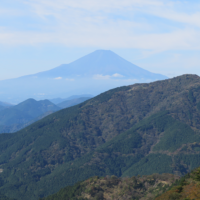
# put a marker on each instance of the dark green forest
(129, 131)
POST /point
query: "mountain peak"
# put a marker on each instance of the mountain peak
(94, 73)
(101, 64)
(186, 79)
(103, 50)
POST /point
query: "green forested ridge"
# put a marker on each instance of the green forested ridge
(135, 130)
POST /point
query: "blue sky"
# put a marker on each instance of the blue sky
(157, 35)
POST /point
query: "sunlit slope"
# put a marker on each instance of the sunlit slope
(138, 129)
(186, 189)
(112, 187)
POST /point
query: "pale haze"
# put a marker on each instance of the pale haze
(159, 36)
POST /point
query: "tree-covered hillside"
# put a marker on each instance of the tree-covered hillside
(133, 130)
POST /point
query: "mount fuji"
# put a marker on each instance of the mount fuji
(92, 74)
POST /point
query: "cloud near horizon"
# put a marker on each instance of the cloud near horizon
(103, 77)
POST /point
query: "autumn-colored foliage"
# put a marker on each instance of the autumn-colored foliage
(187, 189)
(112, 188)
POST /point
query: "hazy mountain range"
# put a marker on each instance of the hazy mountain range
(93, 74)
(19, 116)
(139, 129)
(72, 102)
(4, 105)
(16, 117)
(73, 97)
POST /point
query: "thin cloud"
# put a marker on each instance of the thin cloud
(58, 78)
(103, 77)
(70, 79)
(93, 5)
(40, 94)
(117, 75)
(106, 24)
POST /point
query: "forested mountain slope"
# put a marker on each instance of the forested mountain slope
(137, 129)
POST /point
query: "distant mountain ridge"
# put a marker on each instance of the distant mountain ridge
(94, 73)
(72, 102)
(17, 117)
(5, 104)
(14, 118)
(60, 100)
